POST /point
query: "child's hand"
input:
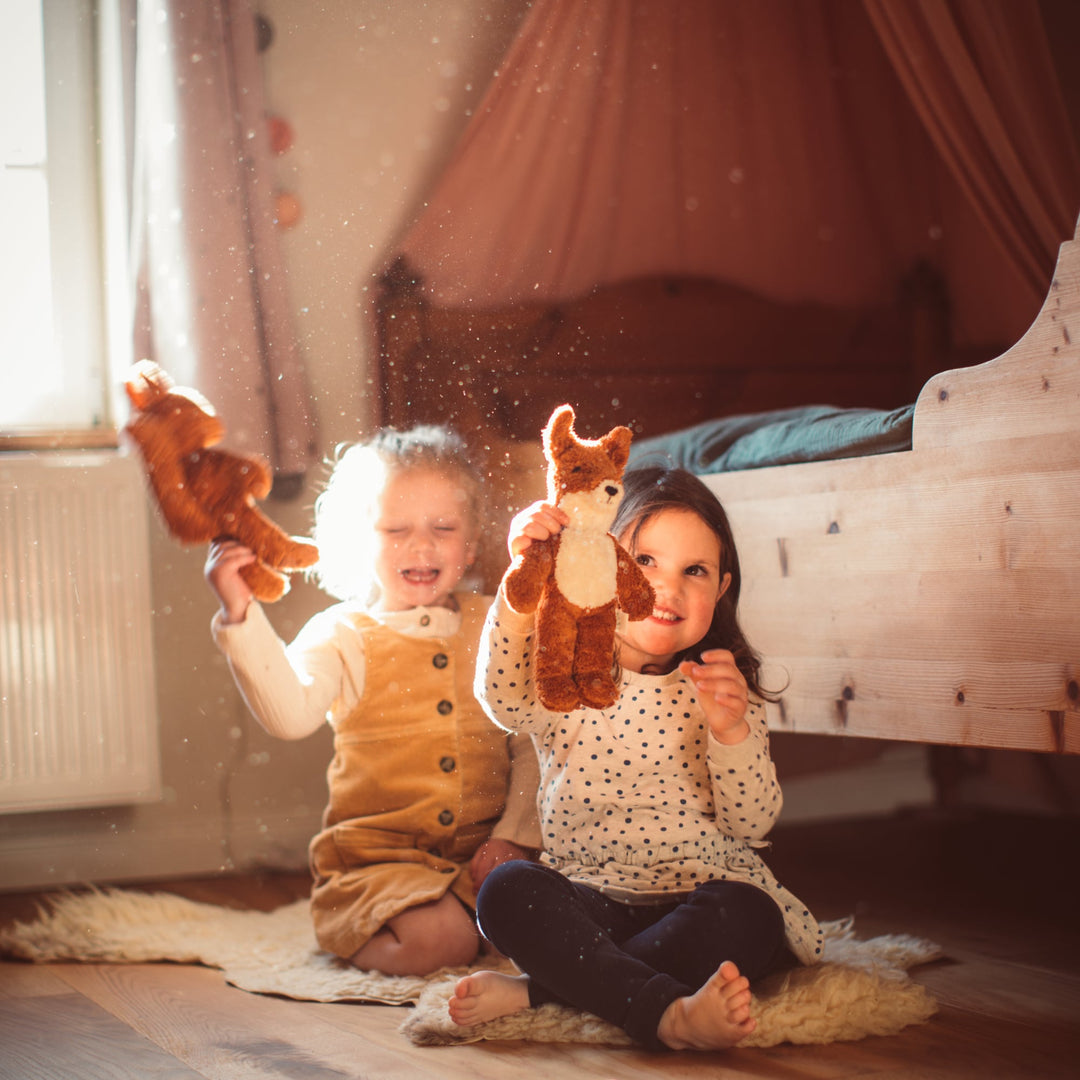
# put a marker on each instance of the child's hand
(224, 562)
(492, 853)
(722, 691)
(541, 521)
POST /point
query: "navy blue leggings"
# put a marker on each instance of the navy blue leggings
(624, 962)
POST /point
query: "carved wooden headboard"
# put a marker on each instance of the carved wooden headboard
(656, 354)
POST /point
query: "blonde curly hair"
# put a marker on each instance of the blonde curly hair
(346, 509)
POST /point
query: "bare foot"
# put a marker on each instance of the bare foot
(487, 995)
(714, 1018)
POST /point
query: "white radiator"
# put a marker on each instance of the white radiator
(78, 714)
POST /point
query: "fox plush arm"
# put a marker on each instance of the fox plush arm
(524, 582)
(636, 595)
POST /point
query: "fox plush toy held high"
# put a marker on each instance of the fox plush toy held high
(206, 493)
(577, 581)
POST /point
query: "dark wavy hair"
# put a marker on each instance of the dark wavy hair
(652, 489)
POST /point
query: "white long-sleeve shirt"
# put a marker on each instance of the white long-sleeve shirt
(639, 800)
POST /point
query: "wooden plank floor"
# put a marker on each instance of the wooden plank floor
(995, 890)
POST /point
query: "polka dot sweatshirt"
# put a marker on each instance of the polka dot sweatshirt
(638, 800)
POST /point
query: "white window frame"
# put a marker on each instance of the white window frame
(87, 155)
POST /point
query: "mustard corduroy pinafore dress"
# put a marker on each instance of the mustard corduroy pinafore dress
(418, 780)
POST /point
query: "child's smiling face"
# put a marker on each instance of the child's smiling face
(680, 556)
(425, 539)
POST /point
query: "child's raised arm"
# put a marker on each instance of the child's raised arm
(224, 562)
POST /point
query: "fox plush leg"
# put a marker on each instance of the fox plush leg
(594, 659)
(267, 585)
(556, 626)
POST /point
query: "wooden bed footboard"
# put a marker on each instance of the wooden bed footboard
(934, 594)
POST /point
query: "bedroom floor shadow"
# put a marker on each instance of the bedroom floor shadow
(994, 890)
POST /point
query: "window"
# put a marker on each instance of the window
(54, 382)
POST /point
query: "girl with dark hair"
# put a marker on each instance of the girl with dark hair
(650, 491)
(650, 907)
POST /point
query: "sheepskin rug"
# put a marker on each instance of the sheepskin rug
(862, 987)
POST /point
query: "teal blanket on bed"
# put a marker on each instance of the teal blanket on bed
(781, 437)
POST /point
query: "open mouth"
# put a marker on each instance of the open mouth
(665, 616)
(420, 576)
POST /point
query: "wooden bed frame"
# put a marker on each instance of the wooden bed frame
(930, 595)
(934, 594)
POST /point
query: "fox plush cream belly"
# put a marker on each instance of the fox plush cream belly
(585, 567)
(578, 581)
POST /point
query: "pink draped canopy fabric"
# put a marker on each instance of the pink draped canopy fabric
(980, 77)
(211, 300)
(773, 146)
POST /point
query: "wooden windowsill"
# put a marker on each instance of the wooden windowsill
(94, 439)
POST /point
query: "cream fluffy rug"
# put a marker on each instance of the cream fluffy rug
(861, 989)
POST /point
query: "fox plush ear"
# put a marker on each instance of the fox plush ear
(616, 444)
(559, 432)
(147, 384)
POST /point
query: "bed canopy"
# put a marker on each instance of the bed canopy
(807, 150)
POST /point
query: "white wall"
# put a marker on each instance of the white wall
(377, 94)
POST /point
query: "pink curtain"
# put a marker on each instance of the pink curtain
(980, 77)
(211, 300)
(769, 145)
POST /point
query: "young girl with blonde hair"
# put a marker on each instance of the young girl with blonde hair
(425, 794)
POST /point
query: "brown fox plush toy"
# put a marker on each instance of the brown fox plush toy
(576, 582)
(205, 494)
